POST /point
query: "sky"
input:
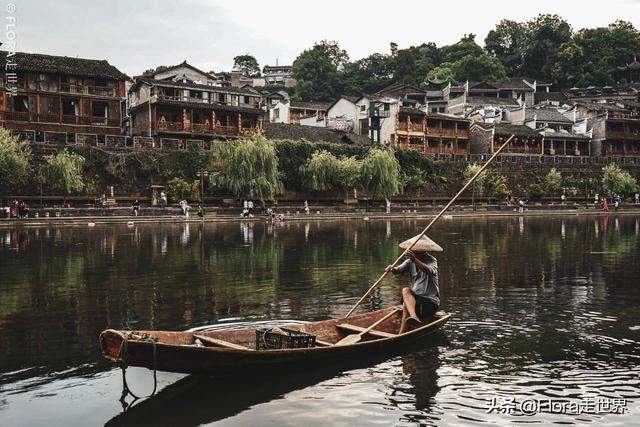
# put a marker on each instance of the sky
(135, 35)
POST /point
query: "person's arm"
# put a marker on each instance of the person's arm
(400, 268)
(419, 264)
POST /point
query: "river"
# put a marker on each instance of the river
(544, 308)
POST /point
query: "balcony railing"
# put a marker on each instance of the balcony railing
(198, 128)
(620, 134)
(26, 116)
(62, 87)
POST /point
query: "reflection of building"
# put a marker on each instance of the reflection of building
(182, 109)
(63, 100)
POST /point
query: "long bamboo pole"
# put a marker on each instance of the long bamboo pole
(433, 221)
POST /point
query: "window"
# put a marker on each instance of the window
(363, 107)
(276, 113)
(246, 100)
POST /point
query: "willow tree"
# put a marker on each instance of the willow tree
(63, 172)
(248, 168)
(321, 172)
(380, 173)
(325, 172)
(15, 156)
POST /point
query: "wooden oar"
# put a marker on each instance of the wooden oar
(437, 217)
(355, 338)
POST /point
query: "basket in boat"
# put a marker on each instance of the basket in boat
(279, 338)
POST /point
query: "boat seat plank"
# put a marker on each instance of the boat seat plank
(220, 343)
(376, 333)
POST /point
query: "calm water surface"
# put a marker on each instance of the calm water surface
(544, 308)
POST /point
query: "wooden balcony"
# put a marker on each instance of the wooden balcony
(71, 88)
(200, 128)
(26, 116)
(633, 134)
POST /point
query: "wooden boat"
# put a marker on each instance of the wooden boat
(231, 352)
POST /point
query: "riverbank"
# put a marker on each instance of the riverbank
(94, 217)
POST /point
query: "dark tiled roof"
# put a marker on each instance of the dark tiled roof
(546, 115)
(36, 62)
(549, 96)
(226, 89)
(399, 88)
(184, 63)
(599, 106)
(515, 83)
(517, 130)
(312, 134)
(321, 106)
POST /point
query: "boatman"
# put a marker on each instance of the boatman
(423, 296)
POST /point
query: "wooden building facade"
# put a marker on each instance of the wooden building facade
(431, 133)
(62, 100)
(184, 110)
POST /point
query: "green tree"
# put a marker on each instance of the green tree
(247, 65)
(152, 71)
(321, 171)
(467, 46)
(478, 185)
(180, 189)
(366, 75)
(496, 186)
(544, 36)
(441, 73)
(326, 172)
(478, 68)
(405, 68)
(248, 168)
(594, 55)
(507, 42)
(63, 172)
(618, 181)
(317, 72)
(553, 182)
(15, 157)
(380, 173)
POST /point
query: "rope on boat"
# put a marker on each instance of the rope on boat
(126, 390)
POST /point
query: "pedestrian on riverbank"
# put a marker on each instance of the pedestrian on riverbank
(163, 199)
(136, 207)
(306, 207)
(605, 204)
(388, 203)
(616, 205)
(263, 206)
(200, 210)
(250, 207)
(563, 198)
(596, 199)
(521, 203)
(637, 196)
(185, 208)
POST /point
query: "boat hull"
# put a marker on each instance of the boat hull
(167, 354)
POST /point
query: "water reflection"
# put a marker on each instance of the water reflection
(543, 307)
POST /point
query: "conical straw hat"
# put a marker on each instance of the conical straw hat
(425, 244)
